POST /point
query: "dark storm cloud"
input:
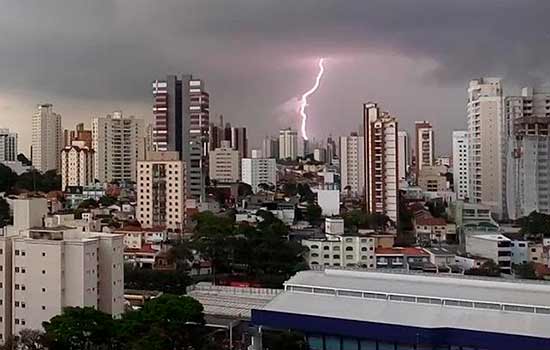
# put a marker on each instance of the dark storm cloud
(254, 51)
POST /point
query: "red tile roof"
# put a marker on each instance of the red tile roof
(430, 221)
(408, 251)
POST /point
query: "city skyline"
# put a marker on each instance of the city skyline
(110, 61)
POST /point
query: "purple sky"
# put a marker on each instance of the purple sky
(415, 58)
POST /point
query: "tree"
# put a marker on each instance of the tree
(314, 213)
(526, 271)
(80, 328)
(244, 189)
(89, 203)
(488, 268)
(166, 322)
(31, 339)
(287, 340)
(535, 224)
(106, 201)
(5, 216)
(174, 282)
(7, 178)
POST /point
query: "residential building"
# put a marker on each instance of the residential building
(224, 163)
(441, 256)
(492, 246)
(77, 165)
(370, 310)
(472, 219)
(320, 155)
(47, 139)
(352, 164)
(161, 191)
(341, 250)
(182, 112)
(403, 155)
(410, 258)
(432, 178)
(329, 201)
(460, 164)
(381, 161)
(118, 143)
(332, 150)
(288, 144)
(429, 229)
(424, 146)
(48, 268)
(486, 134)
(8, 146)
(78, 134)
(258, 171)
(527, 152)
(270, 147)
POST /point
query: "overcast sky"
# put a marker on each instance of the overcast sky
(414, 57)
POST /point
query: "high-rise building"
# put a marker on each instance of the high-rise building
(118, 144)
(77, 165)
(78, 134)
(320, 155)
(332, 150)
(485, 137)
(288, 144)
(148, 145)
(239, 141)
(270, 147)
(182, 110)
(46, 268)
(224, 163)
(403, 155)
(161, 191)
(8, 146)
(460, 164)
(381, 168)
(258, 171)
(352, 164)
(528, 153)
(47, 139)
(424, 146)
(216, 134)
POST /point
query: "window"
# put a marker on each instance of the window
(326, 247)
(349, 249)
(43, 254)
(43, 272)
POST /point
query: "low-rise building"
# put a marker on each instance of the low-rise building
(441, 256)
(433, 179)
(334, 226)
(401, 258)
(492, 246)
(430, 229)
(341, 250)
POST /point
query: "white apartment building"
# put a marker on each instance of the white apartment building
(45, 269)
(224, 163)
(8, 146)
(486, 134)
(334, 226)
(47, 139)
(527, 153)
(256, 171)
(77, 165)
(424, 147)
(352, 164)
(161, 191)
(381, 169)
(329, 201)
(118, 142)
(460, 164)
(491, 246)
(288, 144)
(341, 250)
(404, 155)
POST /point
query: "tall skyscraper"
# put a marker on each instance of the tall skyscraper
(424, 146)
(216, 134)
(182, 111)
(239, 141)
(8, 146)
(224, 163)
(528, 153)
(486, 134)
(403, 154)
(258, 171)
(118, 142)
(47, 139)
(460, 164)
(352, 164)
(288, 144)
(332, 150)
(381, 168)
(161, 191)
(77, 165)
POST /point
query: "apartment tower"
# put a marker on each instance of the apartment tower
(47, 139)
(381, 161)
(424, 146)
(460, 164)
(352, 164)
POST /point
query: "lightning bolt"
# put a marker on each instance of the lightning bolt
(303, 100)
